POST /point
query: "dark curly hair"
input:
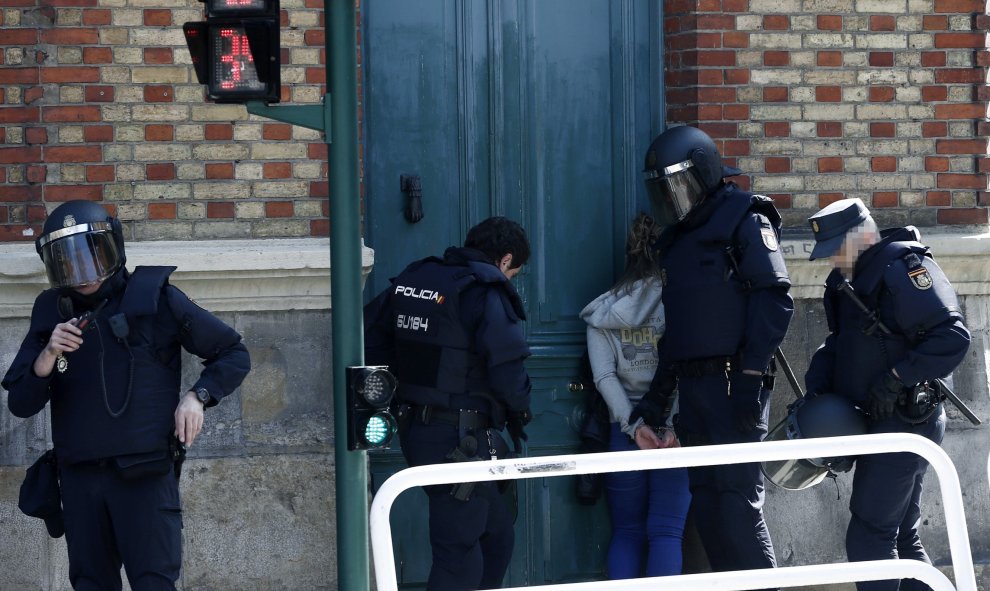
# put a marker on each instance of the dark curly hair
(641, 262)
(498, 236)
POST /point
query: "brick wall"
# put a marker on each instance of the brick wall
(819, 100)
(98, 101)
(816, 99)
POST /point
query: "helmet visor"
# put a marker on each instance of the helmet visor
(797, 474)
(673, 191)
(80, 255)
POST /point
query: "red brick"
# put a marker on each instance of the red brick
(884, 129)
(319, 189)
(983, 165)
(735, 148)
(982, 128)
(221, 170)
(317, 151)
(735, 5)
(159, 133)
(719, 129)
(735, 39)
(102, 173)
(54, 75)
(829, 129)
(157, 17)
(71, 192)
(775, 94)
(277, 131)
(158, 93)
(25, 37)
(959, 40)
(885, 199)
(934, 22)
(36, 173)
(934, 129)
(938, 198)
(164, 171)
(936, 164)
(96, 17)
(20, 193)
(960, 111)
(20, 155)
(716, 58)
(278, 209)
(881, 59)
(883, 164)
(723, 22)
(33, 94)
(277, 170)
(70, 36)
(736, 76)
(98, 133)
(18, 114)
(881, 94)
(219, 131)
(829, 59)
(776, 22)
(882, 23)
(99, 94)
(933, 59)
(960, 76)
(981, 93)
(983, 198)
(828, 94)
(220, 209)
(962, 181)
(97, 55)
(316, 76)
(314, 37)
(777, 129)
(161, 211)
(830, 164)
(825, 199)
(959, 6)
(961, 146)
(35, 135)
(776, 58)
(19, 76)
(933, 94)
(717, 94)
(962, 217)
(829, 22)
(319, 227)
(708, 112)
(158, 55)
(73, 154)
(776, 164)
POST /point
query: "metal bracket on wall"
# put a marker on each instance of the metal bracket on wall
(411, 185)
(310, 116)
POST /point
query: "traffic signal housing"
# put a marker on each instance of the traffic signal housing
(236, 50)
(370, 389)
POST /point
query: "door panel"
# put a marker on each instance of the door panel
(539, 111)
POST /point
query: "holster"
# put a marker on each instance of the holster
(466, 451)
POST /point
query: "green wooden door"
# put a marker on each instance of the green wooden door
(541, 111)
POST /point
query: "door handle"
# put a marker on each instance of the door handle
(411, 185)
(575, 386)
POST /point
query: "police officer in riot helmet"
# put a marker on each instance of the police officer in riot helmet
(727, 307)
(450, 329)
(103, 350)
(895, 328)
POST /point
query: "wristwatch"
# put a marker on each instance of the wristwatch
(202, 394)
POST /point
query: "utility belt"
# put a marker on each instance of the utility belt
(144, 465)
(462, 418)
(721, 365)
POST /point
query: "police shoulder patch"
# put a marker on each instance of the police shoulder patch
(921, 278)
(769, 238)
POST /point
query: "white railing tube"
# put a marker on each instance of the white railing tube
(740, 453)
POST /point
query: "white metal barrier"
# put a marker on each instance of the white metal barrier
(740, 453)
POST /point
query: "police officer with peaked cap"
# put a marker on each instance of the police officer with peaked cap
(103, 349)
(727, 308)
(450, 329)
(895, 326)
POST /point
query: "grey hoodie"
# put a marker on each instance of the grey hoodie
(623, 330)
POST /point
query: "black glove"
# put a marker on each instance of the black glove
(884, 394)
(744, 396)
(515, 423)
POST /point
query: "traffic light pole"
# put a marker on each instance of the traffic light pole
(345, 300)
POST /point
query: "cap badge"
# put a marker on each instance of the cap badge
(814, 226)
(69, 221)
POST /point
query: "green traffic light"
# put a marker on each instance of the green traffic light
(378, 430)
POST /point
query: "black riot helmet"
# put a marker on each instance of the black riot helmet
(80, 244)
(682, 167)
(824, 415)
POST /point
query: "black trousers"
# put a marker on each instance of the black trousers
(110, 521)
(471, 540)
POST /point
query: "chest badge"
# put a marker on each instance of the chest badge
(769, 239)
(921, 278)
(61, 363)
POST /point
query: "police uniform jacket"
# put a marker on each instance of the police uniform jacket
(899, 281)
(119, 391)
(451, 330)
(724, 281)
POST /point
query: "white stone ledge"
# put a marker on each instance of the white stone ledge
(294, 273)
(965, 258)
(221, 275)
